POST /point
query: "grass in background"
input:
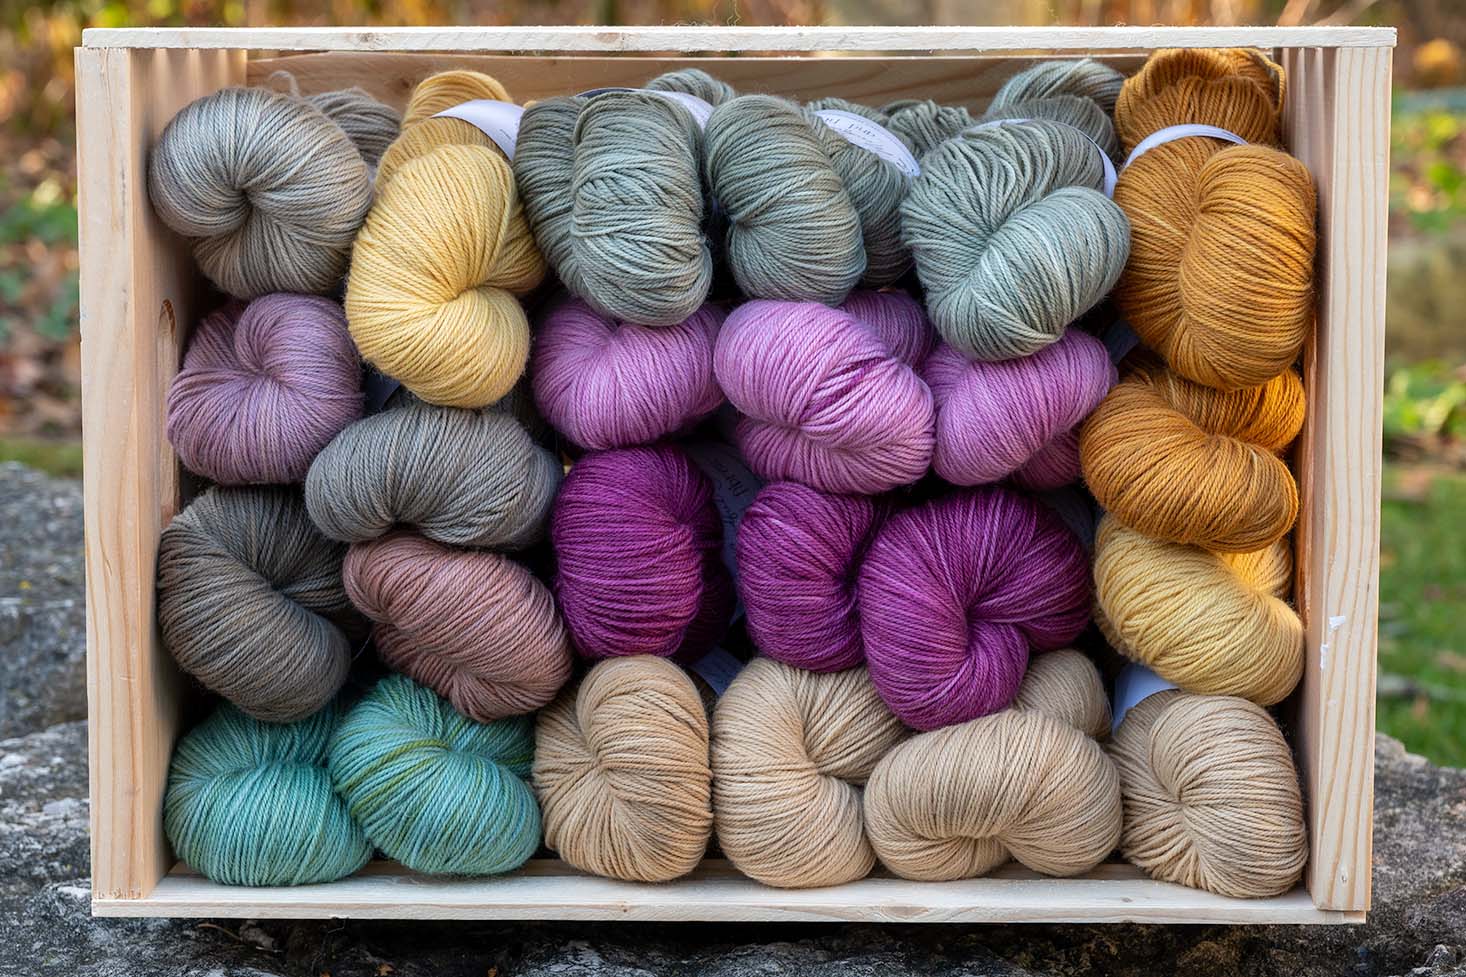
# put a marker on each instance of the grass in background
(59, 458)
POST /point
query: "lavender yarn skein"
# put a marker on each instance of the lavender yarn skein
(264, 387)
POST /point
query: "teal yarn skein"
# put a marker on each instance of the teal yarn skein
(436, 791)
(251, 803)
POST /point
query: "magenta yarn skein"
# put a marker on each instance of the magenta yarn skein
(955, 593)
(827, 398)
(638, 546)
(799, 550)
(1016, 417)
(604, 383)
(264, 387)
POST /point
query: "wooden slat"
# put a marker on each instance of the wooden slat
(715, 892)
(694, 38)
(138, 287)
(1338, 120)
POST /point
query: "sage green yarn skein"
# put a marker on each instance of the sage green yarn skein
(694, 81)
(925, 124)
(1083, 78)
(251, 803)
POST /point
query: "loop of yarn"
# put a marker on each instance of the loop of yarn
(799, 553)
(436, 791)
(264, 387)
(831, 397)
(638, 544)
(621, 771)
(1211, 795)
(1016, 417)
(1190, 464)
(465, 477)
(956, 592)
(268, 186)
(1215, 623)
(475, 627)
(606, 383)
(250, 803)
(250, 599)
(790, 752)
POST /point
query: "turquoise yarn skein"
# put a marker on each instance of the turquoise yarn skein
(436, 791)
(251, 803)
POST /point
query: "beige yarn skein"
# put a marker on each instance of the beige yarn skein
(1066, 686)
(621, 770)
(791, 749)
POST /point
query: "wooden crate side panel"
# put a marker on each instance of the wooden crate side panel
(138, 287)
(1338, 120)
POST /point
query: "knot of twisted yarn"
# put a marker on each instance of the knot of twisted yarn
(249, 596)
(621, 771)
(954, 594)
(791, 749)
(1187, 463)
(1211, 795)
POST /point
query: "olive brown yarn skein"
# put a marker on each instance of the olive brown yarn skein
(1183, 462)
(621, 771)
(249, 600)
(790, 751)
(1214, 623)
(475, 627)
(1220, 280)
(1211, 795)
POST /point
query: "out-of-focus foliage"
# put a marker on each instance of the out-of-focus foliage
(1428, 149)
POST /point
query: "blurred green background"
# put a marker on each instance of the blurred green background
(1423, 581)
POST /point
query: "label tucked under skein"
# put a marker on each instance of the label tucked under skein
(497, 120)
(872, 136)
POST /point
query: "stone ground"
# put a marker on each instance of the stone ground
(1418, 926)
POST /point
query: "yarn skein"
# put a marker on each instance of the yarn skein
(473, 626)
(1211, 795)
(791, 750)
(1190, 464)
(605, 383)
(264, 387)
(1220, 280)
(424, 130)
(250, 601)
(830, 396)
(955, 593)
(925, 124)
(464, 477)
(432, 789)
(621, 772)
(799, 551)
(270, 189)
(1065, 685)
(1016, 417)
(250, 803)
(638, 543)
(1215, 623)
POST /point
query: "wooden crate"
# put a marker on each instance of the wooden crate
(140, 292)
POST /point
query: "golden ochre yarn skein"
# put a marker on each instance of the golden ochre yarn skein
(1190, 464)
(1215, 623)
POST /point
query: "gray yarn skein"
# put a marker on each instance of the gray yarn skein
(544, 170)
(694, 81)
(925, 124)
(272, 190)
(793, 230)
(1072, 110)
(1084, 78)
(462, 477)
(368, 123)
(248, 591)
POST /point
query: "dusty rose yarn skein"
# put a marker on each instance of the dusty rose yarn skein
(264, 387)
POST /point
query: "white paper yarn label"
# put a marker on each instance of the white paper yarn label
(497, 120)
(1135, 684)
(1111, 177)
(699, 110)
(871, 136)
(734, 489)
(718, 668)
(1171, 133)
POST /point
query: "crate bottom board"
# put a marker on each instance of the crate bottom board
(548, 889)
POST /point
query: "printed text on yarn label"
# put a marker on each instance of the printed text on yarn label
(871, 136)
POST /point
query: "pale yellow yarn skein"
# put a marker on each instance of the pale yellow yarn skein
(1213, 623)
(435, 271)
(621, 771)
(1211, 795)
(791, 749)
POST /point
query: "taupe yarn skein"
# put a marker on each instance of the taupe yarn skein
(1211, 795)
(270, 188)
(1065, 685)
(248, 593)
(621, 771)
(791, 749)
(460, 476)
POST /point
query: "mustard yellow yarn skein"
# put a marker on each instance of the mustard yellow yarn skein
(431, 297)
(1213, 623)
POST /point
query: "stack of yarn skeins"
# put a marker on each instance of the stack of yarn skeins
(649, 472)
